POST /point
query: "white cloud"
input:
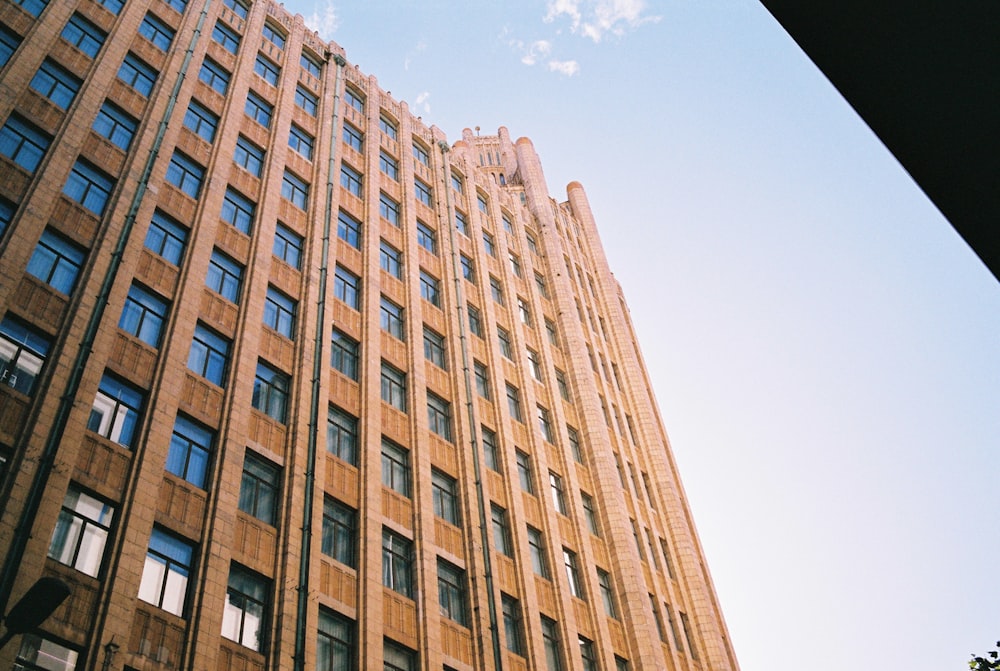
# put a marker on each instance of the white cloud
(421, 103)
(567, 68)
(570, 8)
(324, 20)
(597, 18)
(534, 51)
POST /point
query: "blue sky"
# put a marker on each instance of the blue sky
(824, 347)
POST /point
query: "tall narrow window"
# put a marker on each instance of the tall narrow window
(390, 260)
(394, 387)
(451, 592)
(339, 532)
(430, 288)
(524, 474)
(165, 574)
(349, 229)
(279, 312)
(589, 515)
(287, 246)
(513, 624)
(81, 532)
(259, 488)
(395, 467)
(536, 549)
(351, 180)
(397, 560)
(439, 416)
(607, 593)
(490, 455)
(347, 287)
(482, 377)
(550, 642)
(545, 424)
(342, 435)
(391, 319)
(444, 493)
(434, 348)
(501, 531)
(245, 612)
(389, 209)
(556, 489)
(514, 402)
(572, 573)
(334, 643)
(344, 354)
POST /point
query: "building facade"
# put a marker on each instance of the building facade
(291, 382)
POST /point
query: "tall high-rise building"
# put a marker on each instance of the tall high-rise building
(289, 382)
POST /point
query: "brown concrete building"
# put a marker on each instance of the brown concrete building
(289, 382)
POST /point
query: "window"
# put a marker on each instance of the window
(178, 5)
(461, 223)
(115, 125)
(451, 592)
(259, 488)
(34, 7)
(288, 246)
(490, 453)
(349, 229)
(489, 245)
(89, 187)
(388, 165)
(258, 109)
(274, 35)
(354, 99)
(556, 489)
(563, 390)
(39, 653)
(550, 641)
(508, 225)
(113, 6)
(391, 319)
(56, 261)
(607, 593)
(23, 143)
(501, 531)
(426, 237)
(468, 268)
(307, 100)
(6, 214)
(246, 608)
(143, 315)
(165, 573)
(524, 474)
(138, 74)
(536, 550)
(444, 493)
(249, 156)
(439, 415)
(398, 658)
(270, 392)
(201, 121)
(550, 330)
(87, 37)
(267, 69)
(686, 624)
(309, 64)
(482, 377)
(347, 287)
(342, 435)
(55, 83)
(514, 402)
(475, 322)
(391, 260)
(534, 365)
(388, 209)
(481, 202)
(572, 573)
(353, 138)
(226, 36)
(387, 126)
(81, 532)
(545, 424)
(589, 515)
(532, 244)
(10, 41)
(587, 654)
(434, 348)
(334, 643)
(667, 560)
(159, 33)
(350, 179)
(214, 75)
(503, 337)
(673, 626)
(339, 532)
(185, 174)
(224, 276)
(515, 264)
(430, 289)
(496, 290)
(421, 154)
(394, 387)
(524, 311)
(301, 141)
(238, 211)
(239, 9)
(513, 624)
(190, 446)
(209, 355)
(543, 289)
(166, 237)
(423, 192)
(116, 410)
(397, 558)
(22, 354)
(457, 183)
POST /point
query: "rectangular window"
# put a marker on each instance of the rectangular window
(387, 126)
(209, 356)
(23, 143)
(10, 41)
(267, 69)
(515, 264)
(553, 334)
(607, 593)
(22, 354)
(85, 36)
(490, 452)
(589, 515)
(503, 337)
(347, 287)
(138, 74)
(524, 474)
(165, 573)
(532, 244)
(481, 202)
(508, 225)
(461, 223)
(496, 290)
(536, 549)
(397, 560)
(340, 529)
(270, 392)
(157, 32)
(178, 5)
(238, 211)
(439, 416)
(468, 269)
(116, 411)
(513, 625)
(258, 109)
(457, 183)
(214, 75)
(587, 654)
(475, 322)
(349, 229)
(115, 125)
(673, 626)
(334, 643)
(274, 36)
(558, 497)
(185, 174)
(562, 386)
(35, 7)
(55, 83)
(239, 9)
(574, 444)
(353, 138)
(249, 156)
(391, 319)
(342, 435)
(225, 276)
(390, 260)
(309, 64)
(351, 180)
(89, 187)
(56, 261)
(201, 121)
(388, 209)
(451, 592)
(572, 573)
(514, 402)
(423, 192)
(301, 142)
(426, 237)
(545, 424)
(434, 350)
(444, 493)
(501, 531)
(307, 100)
(6, 214)
(543, 288)
(388, 165)
(482, 377)
(550, 642)
(686, 624)
(397, 658)
(489, 245)
(524, 312)
(226, 36)
(259, 488)
(81, 532)
(288, 246)
(421, 154)
(534, 365)
(394, 387)
(166, 238)
(430, 288)
(244, 616)
(666, 558)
